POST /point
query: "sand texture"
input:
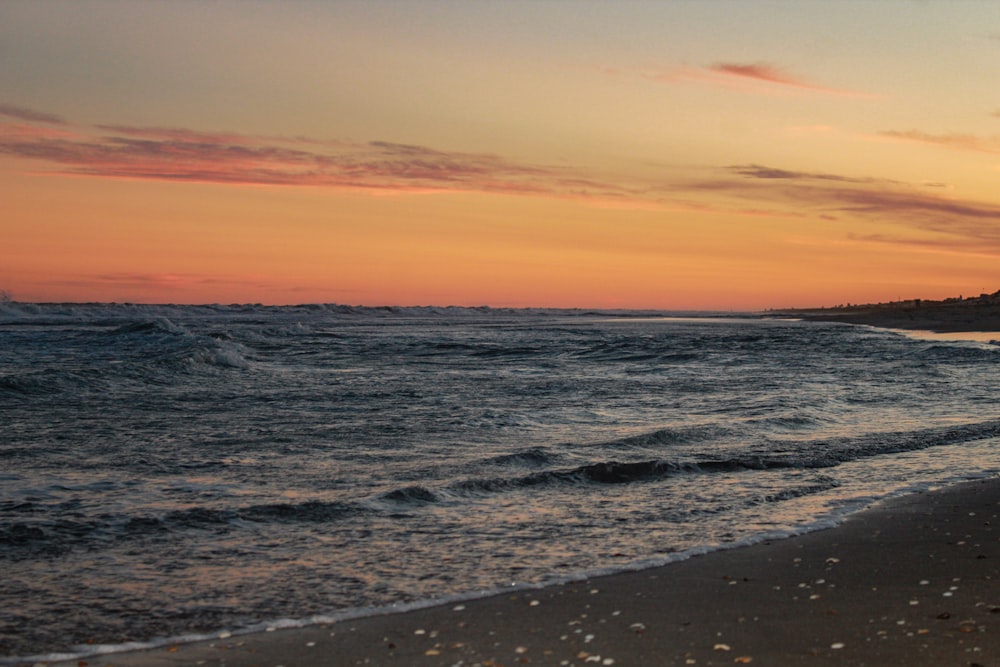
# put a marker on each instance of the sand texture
(912, 581)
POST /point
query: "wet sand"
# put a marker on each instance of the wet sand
(911, 581)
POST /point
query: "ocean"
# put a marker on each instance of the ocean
(171, 472)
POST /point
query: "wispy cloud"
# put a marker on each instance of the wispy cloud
(30, 115)
(152, 280)
(179, 154)
(778, 77)
(162, 282)
(954, 246)
(956, 222)
(760, 72)
(771, 173)
(860, 194)
(967, 142)
(944, 213)
(750, 190)
(752, 78)
(178, 134)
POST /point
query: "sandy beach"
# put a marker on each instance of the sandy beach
(910, 581)
(981, 314)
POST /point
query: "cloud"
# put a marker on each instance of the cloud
(761, 72)
(955, 222)
(21, 113)
(753, 78)
(951, 246)
(749, 190)
(149, 280)
(758, 171)
(161, 282)
(876, 201)
(775, 76)
(177, 134)
(967, 142)
(184, 155)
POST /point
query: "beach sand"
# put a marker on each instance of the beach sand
(931, 316)
(912, 581)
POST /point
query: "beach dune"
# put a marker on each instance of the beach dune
(910, 581)
(980, 313)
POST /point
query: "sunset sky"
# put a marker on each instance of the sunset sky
(675, 155)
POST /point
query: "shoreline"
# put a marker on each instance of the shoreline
(914, 579)
(950, 318)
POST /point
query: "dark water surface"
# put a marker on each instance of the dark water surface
(169, 470)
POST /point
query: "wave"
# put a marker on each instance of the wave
(959, 351)
(156, 325)
(28, 537)
(47, 382)
(621, 472)
(133, 354)
(876, 444)
(31, 539)
(642, 351)
(411, 495)
(662, 438)
(822, 485)
(802, 455)
(163, 341)
(109, 313)
(533, 456)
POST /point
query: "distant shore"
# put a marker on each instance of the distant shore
(951, 315)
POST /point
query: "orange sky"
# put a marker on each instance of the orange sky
(681, 155)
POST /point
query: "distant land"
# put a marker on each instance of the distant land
(979, 313)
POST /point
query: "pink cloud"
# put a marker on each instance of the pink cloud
(754, 78)
(967, 142)
(386, 167)
(180, 154)
(177, 134)
(949, 246)
(184, 155)
(957, 222)
(775, 76)
(170, 280)
(761, 72)
(762, 172)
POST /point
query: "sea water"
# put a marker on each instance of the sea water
(180, 471)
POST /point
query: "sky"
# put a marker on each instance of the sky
(710, 155)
